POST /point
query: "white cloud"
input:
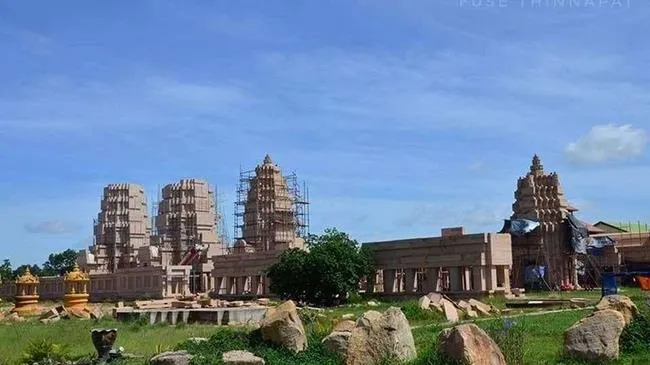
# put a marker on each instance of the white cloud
(606, 143)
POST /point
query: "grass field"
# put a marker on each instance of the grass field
(135, 337)
(537, 340)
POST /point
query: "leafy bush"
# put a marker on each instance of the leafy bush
(44, 352)
(227, 339)
(355, 298)
(47, 353)
(509, 335)
(307, 316)
(326, 274)
(636, 335)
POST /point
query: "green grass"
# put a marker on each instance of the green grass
(135, 337)
(539, 340)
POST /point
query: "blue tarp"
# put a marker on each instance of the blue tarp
(534, 274)
(519, 227)
(596, 245)
(579, 235)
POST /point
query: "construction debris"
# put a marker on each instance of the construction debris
(450, 311)
(471, 308)
(546, 302)
(196, 303)
(147, 304)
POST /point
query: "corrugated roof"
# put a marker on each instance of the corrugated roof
(629, 226)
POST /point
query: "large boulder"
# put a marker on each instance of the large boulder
(619, 303)
(338, 340)
(470, 345)
(282, 325)
(241, 358)
(344, 326)
(595, 338)
(378, 337)
(171, 358)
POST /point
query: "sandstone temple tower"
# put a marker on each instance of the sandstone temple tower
(271, 212)
(121, 228)
(539, 197)
(186, 220)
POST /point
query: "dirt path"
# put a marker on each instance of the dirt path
(448, 324)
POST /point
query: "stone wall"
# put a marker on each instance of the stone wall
(135, 283)
(243, 273)
(453, 262)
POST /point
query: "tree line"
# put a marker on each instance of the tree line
(57, 264)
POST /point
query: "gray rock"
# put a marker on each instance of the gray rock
(470, 345)
(172, 358)
(282, 325)
(424, 303)
(378, 336)
(241, 358)
(619, 303)
(595, 338)
(337, 342)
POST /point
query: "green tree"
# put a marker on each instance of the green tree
(286, 276)
(326, 274)
(6, 272)
(59, 263)
(34, 269)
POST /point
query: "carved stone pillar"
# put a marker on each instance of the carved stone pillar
(409, 280)
(455, 279)
(479, 279)
(389, 281)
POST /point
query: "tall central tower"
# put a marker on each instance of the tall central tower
(539, 197)
(271, 210)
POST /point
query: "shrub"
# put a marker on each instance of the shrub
(307, 316)
(636, 335)
(227, 339)
(47, 353)
(355, 298)
(42, 351)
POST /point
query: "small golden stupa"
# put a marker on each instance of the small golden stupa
(26, 293)
(76, 288)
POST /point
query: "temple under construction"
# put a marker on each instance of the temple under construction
(271, 211)
(543, 243)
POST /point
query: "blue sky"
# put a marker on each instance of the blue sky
(403, 117)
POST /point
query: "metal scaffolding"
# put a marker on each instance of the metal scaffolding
(269, 211)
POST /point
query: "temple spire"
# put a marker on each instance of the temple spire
(536, 168)
(267, 159)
